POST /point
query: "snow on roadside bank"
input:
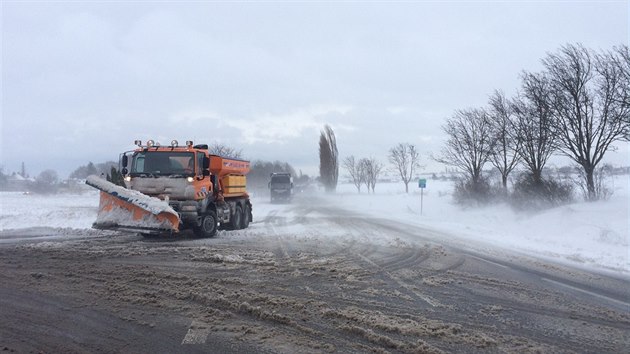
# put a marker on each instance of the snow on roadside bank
(592, 235)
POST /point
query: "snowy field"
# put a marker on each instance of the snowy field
(19, 210)
(589, 235)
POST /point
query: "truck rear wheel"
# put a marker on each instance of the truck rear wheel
(208, 227)
(237, 218)
(245, 219)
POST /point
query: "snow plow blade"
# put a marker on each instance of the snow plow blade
(128, 210)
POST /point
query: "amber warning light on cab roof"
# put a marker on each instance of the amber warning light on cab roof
(152, 143)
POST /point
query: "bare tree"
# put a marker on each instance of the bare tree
(46, 182)
(590, 104)
(406, 159)
(534, 123)
(363, 171)
(505, 155)
(48, 177)
(355, 170)
(328, 159)
(600, 175)
(621, 57)
(363, 167)
(470, 142)
(372, 170)
(223, 150)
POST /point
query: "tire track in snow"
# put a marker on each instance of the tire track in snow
(359, 227)
(429, 300)
(281, 251)
(413, 257)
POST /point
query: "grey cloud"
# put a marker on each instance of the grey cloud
(92, 77)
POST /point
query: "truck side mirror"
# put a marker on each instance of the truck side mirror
(125, 160)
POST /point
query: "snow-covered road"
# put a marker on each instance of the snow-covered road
(304, 277)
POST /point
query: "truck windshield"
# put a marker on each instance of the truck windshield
(163, 163)
(280, 179)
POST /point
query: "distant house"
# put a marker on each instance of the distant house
(16, 182)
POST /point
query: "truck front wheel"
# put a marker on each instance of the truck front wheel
(208, 227)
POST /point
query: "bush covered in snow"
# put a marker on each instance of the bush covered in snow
(540, 193)
(468, 192)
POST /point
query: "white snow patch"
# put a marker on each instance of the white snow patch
(589, 234)
(19, 210)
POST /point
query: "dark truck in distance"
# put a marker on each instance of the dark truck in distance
(281, 187)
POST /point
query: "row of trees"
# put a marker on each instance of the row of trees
(258, 176)
(363, 171)
(404, 158)
(578, 106)
(99, 169)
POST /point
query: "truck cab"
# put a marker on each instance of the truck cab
(281, 187)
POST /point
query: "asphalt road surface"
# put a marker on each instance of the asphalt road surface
(304, 278)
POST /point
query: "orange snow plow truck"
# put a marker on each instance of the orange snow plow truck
(171, 188)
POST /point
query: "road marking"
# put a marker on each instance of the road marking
(587, 292)
(487, 261)
(197, 333)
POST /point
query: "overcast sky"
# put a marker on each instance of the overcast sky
(82, 80)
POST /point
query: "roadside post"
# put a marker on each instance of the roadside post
(422, 183)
